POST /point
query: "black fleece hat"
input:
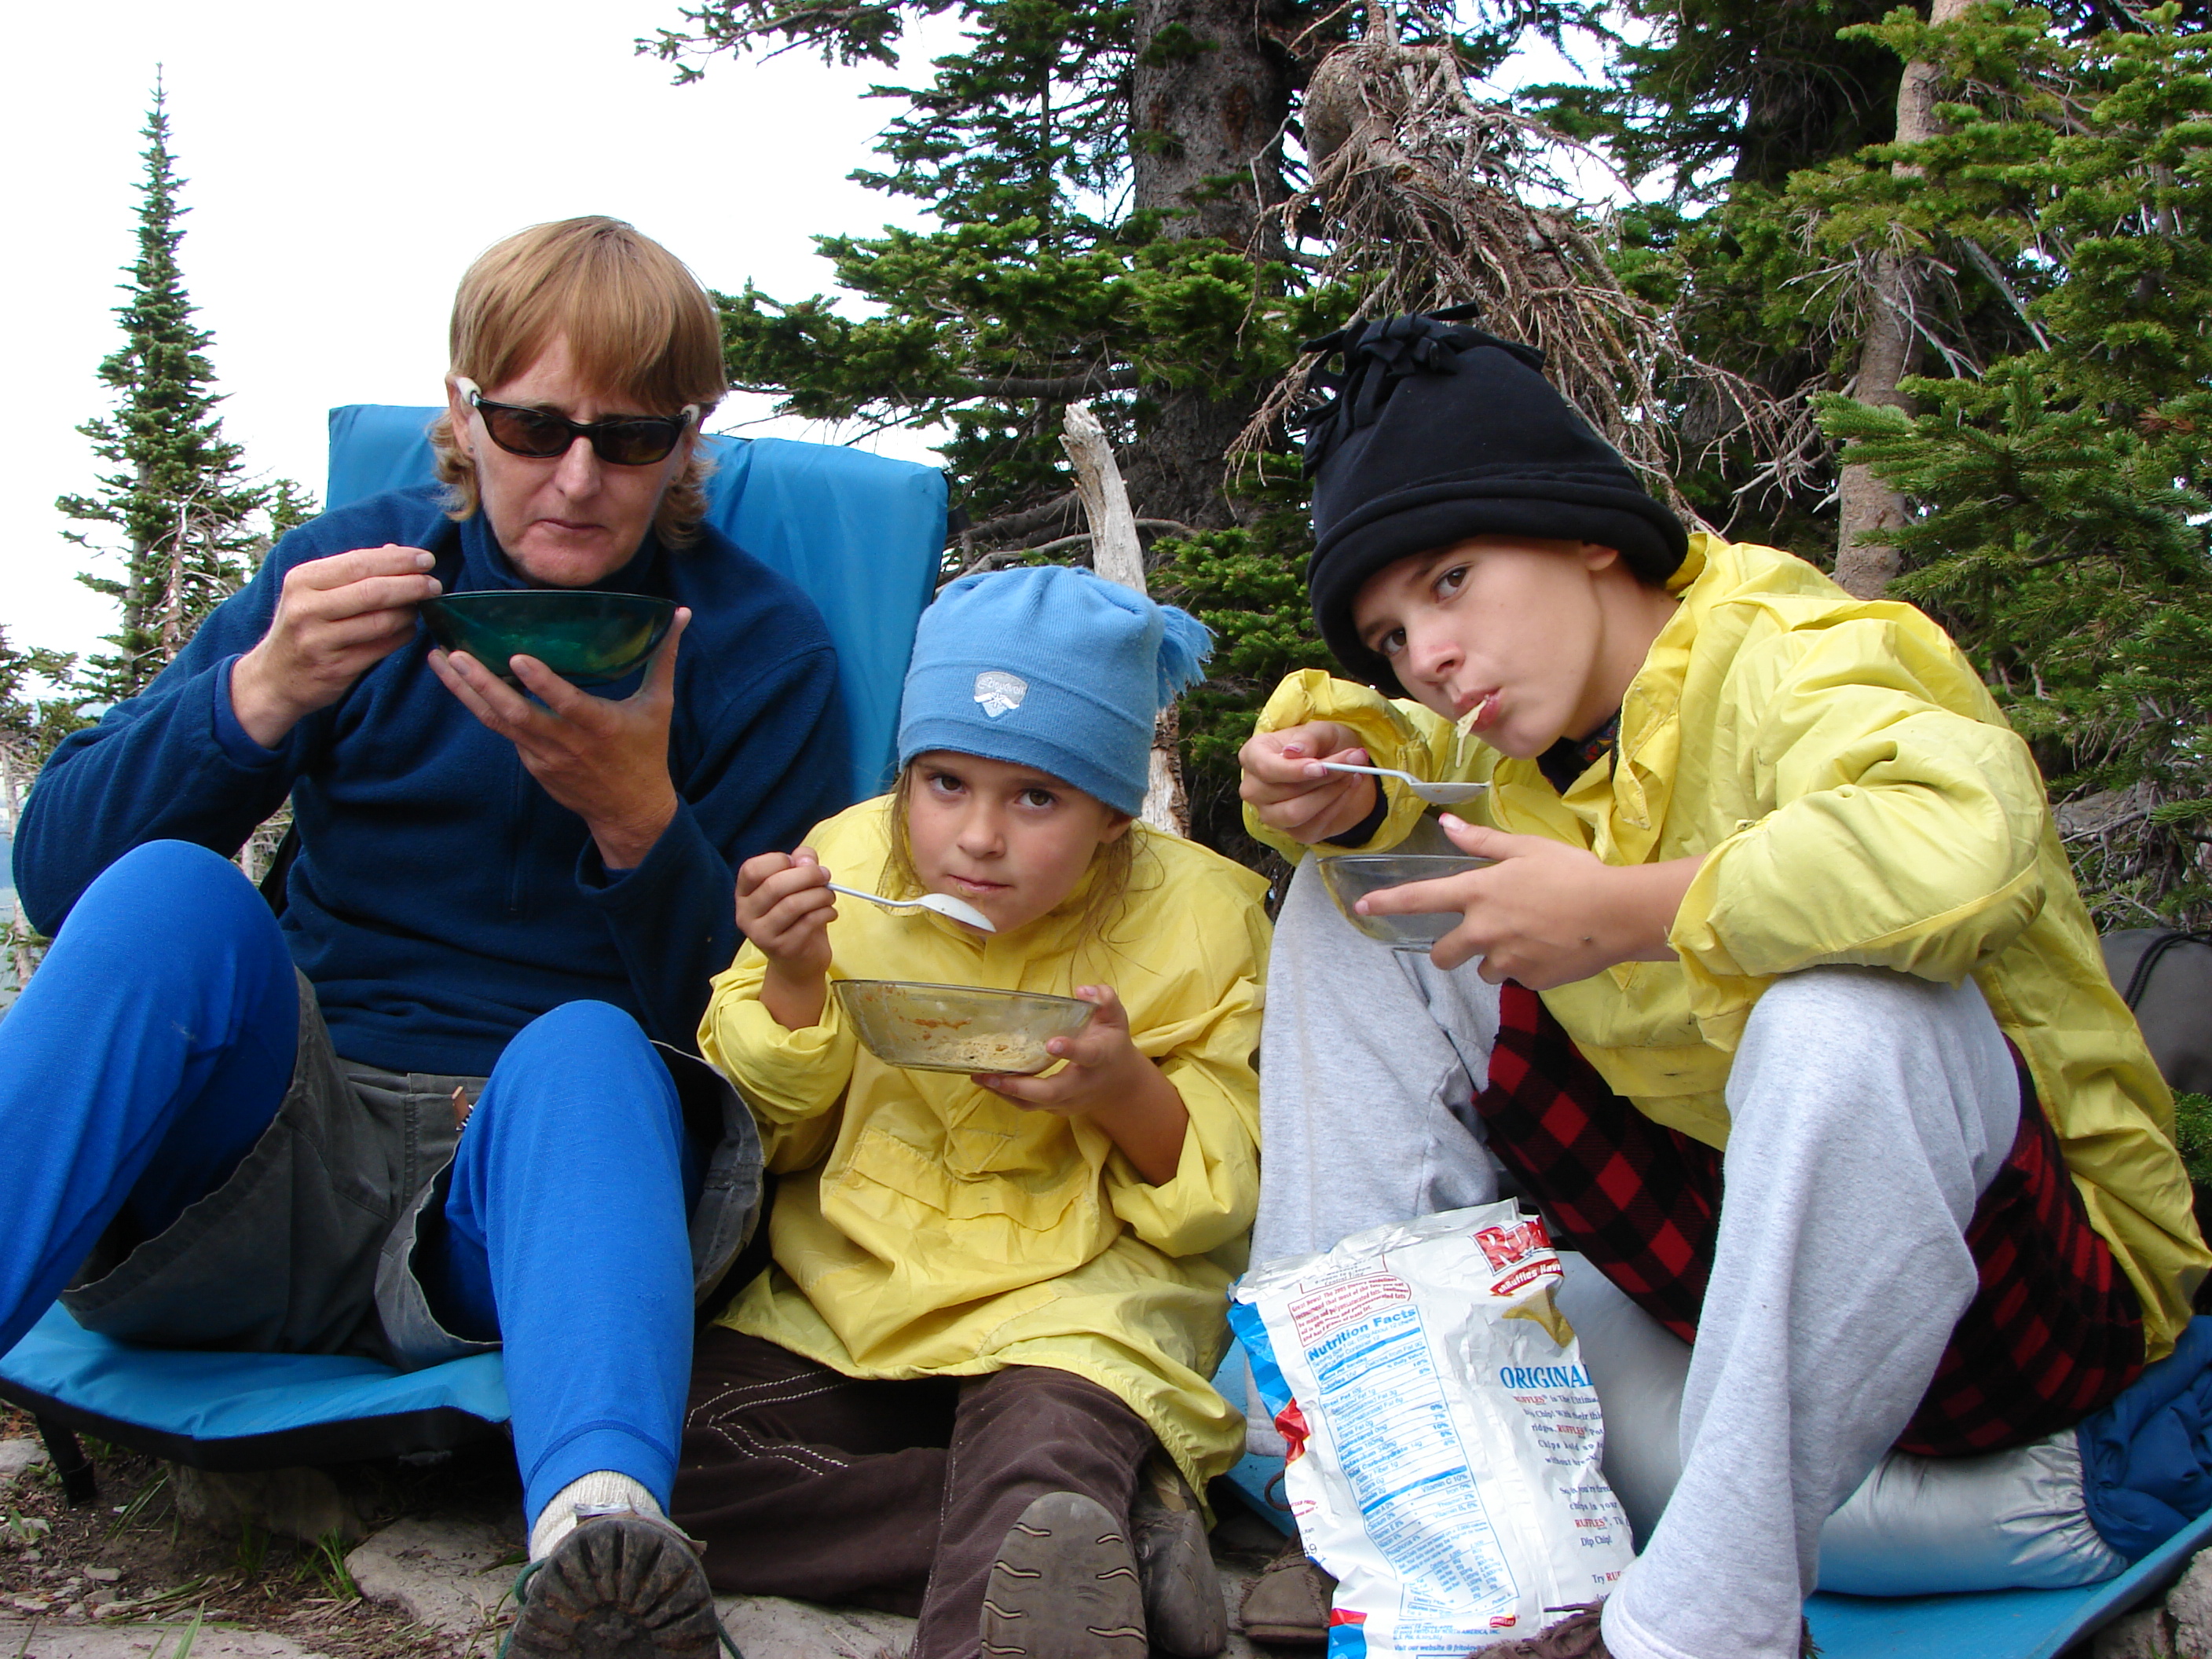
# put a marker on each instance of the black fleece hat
(1439, 432)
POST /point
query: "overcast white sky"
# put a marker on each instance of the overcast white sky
(345, 163)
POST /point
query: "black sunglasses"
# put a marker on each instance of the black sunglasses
(541, 433)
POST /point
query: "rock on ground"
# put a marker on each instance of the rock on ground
(770, 1627)
(18, 1456)
(2189, 1605)
(305, 1504)
(28, 1639)
(2178, 1627)
(454, 1576)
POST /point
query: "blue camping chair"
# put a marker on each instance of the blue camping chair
(862, 535)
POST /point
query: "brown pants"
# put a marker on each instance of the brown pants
(806, 1482)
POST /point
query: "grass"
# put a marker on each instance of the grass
(185, 1643)
(129, 1513)
(329, 1563)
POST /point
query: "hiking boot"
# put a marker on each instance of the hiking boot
(1287, 1605)
(1065, 1586)
(1183, 1609)
(621, 1586)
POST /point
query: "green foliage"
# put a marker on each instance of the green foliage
(2192, 1135)
(2060, 283)
(1050, 274)
(1032, 290)
(2057, 458)
(190, 525)
(1248, 584)
(33, 721)
(1724, 101)
(988, 329)
(1718, 92)
(2062, 476)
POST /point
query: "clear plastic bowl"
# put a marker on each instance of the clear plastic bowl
(1351, 877)
(956, 1028)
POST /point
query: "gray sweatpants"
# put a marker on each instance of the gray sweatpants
(1869, 1110)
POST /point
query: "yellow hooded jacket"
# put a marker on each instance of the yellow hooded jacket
(924, 1227)
(1858, 798)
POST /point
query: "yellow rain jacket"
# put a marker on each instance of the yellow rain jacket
(1858, 798)
(924, 1227)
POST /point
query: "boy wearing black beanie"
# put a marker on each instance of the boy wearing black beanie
(1801, 1034)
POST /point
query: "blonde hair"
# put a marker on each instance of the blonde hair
(1113, 863)
(638, 326)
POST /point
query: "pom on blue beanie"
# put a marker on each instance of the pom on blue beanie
(1050, 667)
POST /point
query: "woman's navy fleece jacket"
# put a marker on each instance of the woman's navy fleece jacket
(441, 899)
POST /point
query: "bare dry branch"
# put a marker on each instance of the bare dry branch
(1433, 198)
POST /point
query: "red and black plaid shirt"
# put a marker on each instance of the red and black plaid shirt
(2054, 1333)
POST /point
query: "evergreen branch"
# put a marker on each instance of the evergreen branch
(1068, 388)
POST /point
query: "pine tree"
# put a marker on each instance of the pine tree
(191, 526)
(2063, 484)
(1115, 188)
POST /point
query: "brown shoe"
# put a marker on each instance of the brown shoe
(1064, 1586)
(621, 1586)
(1184, 1613)
(1287, 1605)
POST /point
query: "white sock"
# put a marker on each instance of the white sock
(602, 1489)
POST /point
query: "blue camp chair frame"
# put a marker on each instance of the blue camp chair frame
(863, 536)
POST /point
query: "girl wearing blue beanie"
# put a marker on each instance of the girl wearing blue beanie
(973, 1384)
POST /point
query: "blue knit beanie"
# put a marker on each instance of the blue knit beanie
(1049, 667)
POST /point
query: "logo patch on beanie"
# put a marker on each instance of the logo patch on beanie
(1000, 692)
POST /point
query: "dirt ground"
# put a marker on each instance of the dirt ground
(130, 1557)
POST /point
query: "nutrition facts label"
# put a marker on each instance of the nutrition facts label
(1409, 1470)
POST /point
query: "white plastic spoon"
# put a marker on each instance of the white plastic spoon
(1437, 794)
(958, 910)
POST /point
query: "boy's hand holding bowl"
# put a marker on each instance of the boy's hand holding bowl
(1544, 913)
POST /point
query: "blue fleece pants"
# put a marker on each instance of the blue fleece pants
(154, 1045)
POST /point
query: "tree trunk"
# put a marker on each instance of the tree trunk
(1209, 94)
(1869, 510)
(1117, 554)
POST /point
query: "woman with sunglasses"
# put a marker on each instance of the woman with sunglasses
(251, 1125)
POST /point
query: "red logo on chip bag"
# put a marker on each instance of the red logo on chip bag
(1504, 1246)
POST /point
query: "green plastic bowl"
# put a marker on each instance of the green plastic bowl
(586, 638)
